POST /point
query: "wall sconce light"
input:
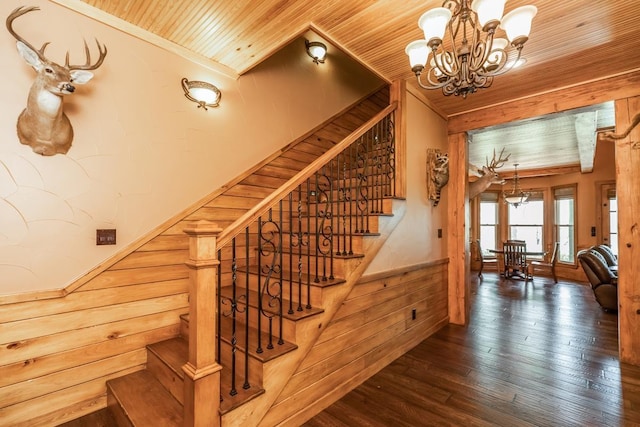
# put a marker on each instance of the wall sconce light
(202, 93)
(316, 50)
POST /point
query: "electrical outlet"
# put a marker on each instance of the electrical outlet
(439, 233)
(106, 236)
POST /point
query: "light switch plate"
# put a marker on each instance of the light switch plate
(106, 236)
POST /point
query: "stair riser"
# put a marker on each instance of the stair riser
(117, 411)
(290, 221)
(288, 325)
(359, 223)
(255, 366)
(167, 377)
(353, 242)
(341, 265)
(340, 207)
(315, 292)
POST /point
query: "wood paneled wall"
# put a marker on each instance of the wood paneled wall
(374, 326)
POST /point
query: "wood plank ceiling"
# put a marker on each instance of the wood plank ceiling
(571, 41)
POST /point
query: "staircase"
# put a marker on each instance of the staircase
(285, 267)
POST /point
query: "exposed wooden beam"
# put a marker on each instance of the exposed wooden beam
(537, 173)
(586, 125)
(596, 92)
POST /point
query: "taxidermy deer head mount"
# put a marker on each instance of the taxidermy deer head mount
(43, 125)
(488, 174)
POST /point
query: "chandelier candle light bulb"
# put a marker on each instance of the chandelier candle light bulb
(474, 57)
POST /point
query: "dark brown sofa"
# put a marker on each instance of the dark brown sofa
(604, 281)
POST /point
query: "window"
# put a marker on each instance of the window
(488, 222)
(565, 201)
(613, 221)
(526, 222)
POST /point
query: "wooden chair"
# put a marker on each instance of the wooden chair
(484, 260)
(515, 259)
(549, 266)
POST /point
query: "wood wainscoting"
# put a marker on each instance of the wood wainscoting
(57, 354)
(375, 325)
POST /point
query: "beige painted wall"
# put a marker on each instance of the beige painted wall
(415, 239)
(141, 152)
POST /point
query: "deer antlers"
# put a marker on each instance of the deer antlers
(22, 10)
(496, 164)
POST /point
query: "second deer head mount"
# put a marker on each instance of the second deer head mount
(43, 125)
(488, 174)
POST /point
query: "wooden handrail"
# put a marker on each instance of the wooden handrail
(261, 208)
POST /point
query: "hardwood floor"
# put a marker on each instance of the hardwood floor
(540, 354)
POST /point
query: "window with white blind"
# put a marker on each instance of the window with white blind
(526, 222)
(613, 220)
(488, 222)
(565, 219)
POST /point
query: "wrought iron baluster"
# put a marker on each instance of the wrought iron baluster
(378, 167)
(338, 218)
(308, 234)
(350, 198)
(345, 199)
(279, 300)
(391, 160)
(219, 316)
(234, 302)
(234, 307)
(271, 288)
(259, 348)
(324, 226)
(300, 242)
(330, 213)
(362, 191)
(291, 246)
(246, 384)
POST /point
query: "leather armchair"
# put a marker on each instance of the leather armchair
(604, 282)
(609, 257)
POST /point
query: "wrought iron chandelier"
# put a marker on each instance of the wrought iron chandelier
(516, 197)
(475, 56)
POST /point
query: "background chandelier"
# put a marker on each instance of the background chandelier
(517, 196)
(474, 56)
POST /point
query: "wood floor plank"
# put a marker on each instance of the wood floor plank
(535, 354)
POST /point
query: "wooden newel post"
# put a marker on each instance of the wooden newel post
(202, 372)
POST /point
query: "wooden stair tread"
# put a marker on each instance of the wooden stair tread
(226, 291)
(173, 352)
(253, 269)
(145, 402)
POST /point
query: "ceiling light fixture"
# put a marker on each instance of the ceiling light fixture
(474, 57)
(516, 197)
(316, 50)
(202, 93)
